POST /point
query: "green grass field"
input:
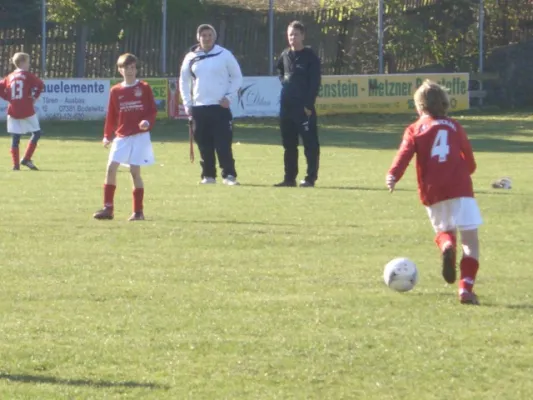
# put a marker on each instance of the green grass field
(255, 292)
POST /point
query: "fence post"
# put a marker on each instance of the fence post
(380, 34)
(271, 37)
(43, 38)
(164, 39)
(481, 31)
(82, 33)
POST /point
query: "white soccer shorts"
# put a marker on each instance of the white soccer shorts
(21, 126)
(461, 213)
(132, 150)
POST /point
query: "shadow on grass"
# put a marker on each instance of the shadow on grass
(358, 132)
(435, 294)
(318, 187)
(78, 382)
(304, 224)
(509, 306)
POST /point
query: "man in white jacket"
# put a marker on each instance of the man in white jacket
(210, 77)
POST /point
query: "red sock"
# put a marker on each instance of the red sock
(15, 156)
(443, 240)
(109, 195)
(30, 149)
(138, 196)
(469, 268)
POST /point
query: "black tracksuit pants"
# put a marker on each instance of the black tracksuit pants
(213, 132)
(294, 122)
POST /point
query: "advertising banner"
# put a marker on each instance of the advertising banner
(384, 94)
(257, 97)
(70, 99)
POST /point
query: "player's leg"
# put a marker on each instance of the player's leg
(441, 217)
(309, 133)
(118, 154)
(141, 154)
(15, 128)
(468, 220)
(30, 124)
(203, 136)
(138, 193)
(30, 149)
(469, 266)
(447, 243)
(110, 185)
(289, 140)
(15, 152)
(223, 139)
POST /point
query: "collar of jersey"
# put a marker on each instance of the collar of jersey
(133, 84)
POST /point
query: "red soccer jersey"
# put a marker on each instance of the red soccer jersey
(22, 88)
(128, 106)
(444, 159)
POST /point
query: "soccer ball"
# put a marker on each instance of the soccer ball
(400, 274)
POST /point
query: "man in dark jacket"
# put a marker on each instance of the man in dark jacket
(299, 72)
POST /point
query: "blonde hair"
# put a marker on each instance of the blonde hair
(432, 99)
(19, 58)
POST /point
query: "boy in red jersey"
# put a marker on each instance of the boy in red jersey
(444, 163)
(131, 114)
(22, 89)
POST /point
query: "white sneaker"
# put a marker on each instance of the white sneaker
(208, 181)
(230, 180)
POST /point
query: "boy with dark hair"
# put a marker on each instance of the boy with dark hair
(130, 116)
(299, 72)
(444, 165)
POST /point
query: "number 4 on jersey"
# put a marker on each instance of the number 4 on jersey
(440, 146)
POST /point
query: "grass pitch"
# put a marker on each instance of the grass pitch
(255, 292)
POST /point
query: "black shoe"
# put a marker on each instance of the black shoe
(307, 184)
(137, 216)
(16, 168)
(449, 272)
(29, 164)
(286, 184)
(104, 213)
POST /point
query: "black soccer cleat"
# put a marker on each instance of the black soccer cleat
(305, 184)
(136, 216)
(104, 213)
(286, 184)
(449, 272)
(29, 164)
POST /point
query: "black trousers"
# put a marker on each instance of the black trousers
(213, 131)
(294, 123)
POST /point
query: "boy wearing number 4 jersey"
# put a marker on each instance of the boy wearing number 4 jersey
(130, 116)
(444, 163)
(22, 89)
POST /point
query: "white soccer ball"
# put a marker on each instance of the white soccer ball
(400, 274)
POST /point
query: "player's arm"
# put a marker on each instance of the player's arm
(402, 159)
(185, 80)
(3, 90)
(111, 117)
(38, 87)
(314, 78)
(280, 67)
(235, 74)
(466, 151)
(150, 108)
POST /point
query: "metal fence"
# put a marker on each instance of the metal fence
(373, 38)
